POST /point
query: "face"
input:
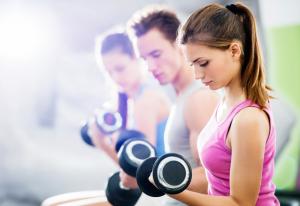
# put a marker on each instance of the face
(162, 57)
(214, 67)
(123, 69)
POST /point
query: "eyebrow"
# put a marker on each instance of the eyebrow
(197, 59)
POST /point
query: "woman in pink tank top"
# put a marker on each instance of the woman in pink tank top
(237, 146)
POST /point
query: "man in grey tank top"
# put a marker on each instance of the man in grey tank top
(155, 31)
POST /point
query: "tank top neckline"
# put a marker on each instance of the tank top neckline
(231, 111)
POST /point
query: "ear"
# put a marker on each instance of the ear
(235, 49)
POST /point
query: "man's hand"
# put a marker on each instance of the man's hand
(128, 181)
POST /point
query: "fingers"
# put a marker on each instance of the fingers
(128, 181)
(94, 132)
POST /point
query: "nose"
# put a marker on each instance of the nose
(199, 74)
(152, 66)
(117, 78)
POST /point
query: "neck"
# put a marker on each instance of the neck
(234, 93)
(183, 79)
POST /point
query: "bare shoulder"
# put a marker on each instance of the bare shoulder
(251, 121)
(251, 116)
(202, 99)
(153, 96)
(199, 107)
(153, 103)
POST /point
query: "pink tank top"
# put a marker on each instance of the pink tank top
(216, 156)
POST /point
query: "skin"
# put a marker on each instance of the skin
(150, 108)
(249, 130)
(166, 62)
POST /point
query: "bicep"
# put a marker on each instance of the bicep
(146, 121)
(247, 139)
(198, 109)
(197, 112)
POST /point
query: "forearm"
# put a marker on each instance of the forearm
(108, 148)
(102, 141)
(148, 127)
(196, 199)
(199, 182)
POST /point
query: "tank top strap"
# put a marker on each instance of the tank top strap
(225, 125)
(249, 103)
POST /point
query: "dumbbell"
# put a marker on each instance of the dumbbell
(108, 122)
(171, 174)
(128, 134)
(131, 155)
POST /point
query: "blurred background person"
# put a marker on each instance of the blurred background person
(147, 106)
(154, 31)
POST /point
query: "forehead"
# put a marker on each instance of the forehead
(152, 40)
(115, 57)
(196, 50)
(115, 53)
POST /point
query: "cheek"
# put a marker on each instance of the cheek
(214, 71)
(221, 68)
(174, 65)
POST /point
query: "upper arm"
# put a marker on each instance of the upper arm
(148, 113)
(248, 135)
(198, 110)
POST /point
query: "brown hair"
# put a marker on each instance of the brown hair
(158, 17)
(218, 26)
(117, 40)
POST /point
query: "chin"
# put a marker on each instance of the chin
(214, 87)
(163, 82)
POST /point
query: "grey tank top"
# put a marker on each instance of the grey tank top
(177, 135)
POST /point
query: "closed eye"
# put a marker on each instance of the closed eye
(155, 54)
(203, 64)
(119, 69)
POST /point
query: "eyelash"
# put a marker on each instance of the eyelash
(156, 55)
(204, 64)
(119, 69)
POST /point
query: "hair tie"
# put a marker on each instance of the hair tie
(233, 8)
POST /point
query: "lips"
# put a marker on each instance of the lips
(158, 76)
(206, 83)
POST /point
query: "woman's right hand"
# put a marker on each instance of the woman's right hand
(94, 132)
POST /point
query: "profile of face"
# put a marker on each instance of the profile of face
(162, 57)
(123, 69)
(216, 68)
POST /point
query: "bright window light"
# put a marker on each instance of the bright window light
(24, 34)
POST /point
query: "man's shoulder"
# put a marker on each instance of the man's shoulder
(203, 96)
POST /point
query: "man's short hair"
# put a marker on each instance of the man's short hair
(155, 17)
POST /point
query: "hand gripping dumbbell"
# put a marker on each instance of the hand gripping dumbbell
(128, 134)
(108, 122)
(171, 175)
(131, 155)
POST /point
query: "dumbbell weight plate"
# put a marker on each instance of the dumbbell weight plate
(142, 175)
(118, 196)
(108, 122)
(126, 135)
(172, 173)
(85, 136)
(132, 153)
